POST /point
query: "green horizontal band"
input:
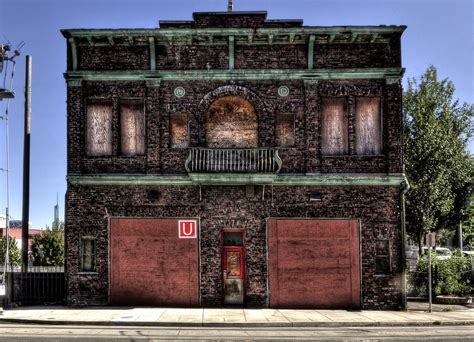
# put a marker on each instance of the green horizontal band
(240, 74)
(321, 30)
(237, 179)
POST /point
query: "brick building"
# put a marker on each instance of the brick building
(235, 160)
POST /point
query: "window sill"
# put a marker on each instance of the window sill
(383, 275)
(352, 155)
(88, 273)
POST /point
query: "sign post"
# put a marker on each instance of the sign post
(431, 242)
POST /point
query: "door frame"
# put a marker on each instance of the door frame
(242, 262)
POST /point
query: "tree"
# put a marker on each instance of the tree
(48, 248)
(14, 255)
(438, 165)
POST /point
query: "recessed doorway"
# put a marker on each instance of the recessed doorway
(233, 267)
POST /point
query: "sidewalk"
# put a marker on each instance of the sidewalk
(226, 317)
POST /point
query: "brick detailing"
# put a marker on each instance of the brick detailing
(160, 103)
(89, 210)
(337, 56)
(113, 58)
(276, 56)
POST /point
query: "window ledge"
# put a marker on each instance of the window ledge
(88, 273)
(383, 275)
(352, 155)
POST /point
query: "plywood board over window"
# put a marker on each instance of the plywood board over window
(285, 129)
(99, 128)
(231, 122)
(179, 130)
(368, 126)
(132, 127)
(334, 130)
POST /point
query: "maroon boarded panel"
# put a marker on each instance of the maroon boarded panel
(150, 265)
(313, 263)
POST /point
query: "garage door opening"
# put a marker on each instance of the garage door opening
(314, 263)
(150, 265)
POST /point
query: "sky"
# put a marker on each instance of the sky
(439, 33)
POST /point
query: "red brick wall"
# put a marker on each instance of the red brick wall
(304, 102)
(89, 208)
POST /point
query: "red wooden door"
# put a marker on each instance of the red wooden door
(233, 275)
(314, 263)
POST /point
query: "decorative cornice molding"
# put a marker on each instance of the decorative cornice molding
(239, 74)
(74, 82)
(238, 179)
(153, 82)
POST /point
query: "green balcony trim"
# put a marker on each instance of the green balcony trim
(240, 74)
(237, 179)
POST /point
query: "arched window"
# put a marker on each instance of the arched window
(231, 123)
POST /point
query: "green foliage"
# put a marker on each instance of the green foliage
(58, 226)
(468, 231)
(438, 165)
(13, 251)
(451, 276)
(48, 248)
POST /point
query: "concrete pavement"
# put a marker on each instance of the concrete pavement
(231, 317)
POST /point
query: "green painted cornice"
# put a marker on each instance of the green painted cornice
(240, 74)
(238, 179)
(318, 30)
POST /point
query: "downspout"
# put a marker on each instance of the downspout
(405, 188)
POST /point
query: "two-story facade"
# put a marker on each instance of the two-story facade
(235, 160)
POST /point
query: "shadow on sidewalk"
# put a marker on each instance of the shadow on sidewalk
(424, 306)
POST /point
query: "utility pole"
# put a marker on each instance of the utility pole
(7, 93)
(26, 169)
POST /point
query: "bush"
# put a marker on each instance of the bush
(451, 276)
(13, 251)
(48, 248)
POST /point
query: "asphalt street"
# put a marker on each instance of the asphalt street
(14, 332)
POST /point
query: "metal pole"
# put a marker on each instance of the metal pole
(460, 235)
(429, 280)
(26, 169)
(7, 210)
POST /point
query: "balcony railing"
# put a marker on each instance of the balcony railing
(228, 160)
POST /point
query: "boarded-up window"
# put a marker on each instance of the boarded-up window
(132, 127)
(88, 254)
(231, 122)
(285, 129)
(368, 126)
(179, 130)
(382, 256)
(334, 130)
(99, 128)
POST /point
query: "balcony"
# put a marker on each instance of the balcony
(234, 166)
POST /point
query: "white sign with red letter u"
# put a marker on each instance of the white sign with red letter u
(187, 229)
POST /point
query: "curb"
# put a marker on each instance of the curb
(239, 325)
